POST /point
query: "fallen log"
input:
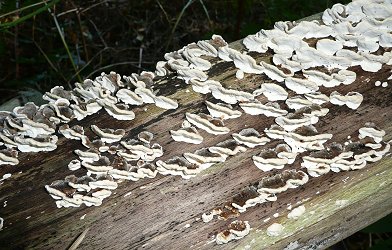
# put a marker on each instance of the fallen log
(174, 209)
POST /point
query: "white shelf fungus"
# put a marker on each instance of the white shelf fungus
(108, 135)
(250, 138)
(230, 96)
(228, 147)
(187, 134)
(270, 109)
(236, 230)
(8, 157)
(74, 133)
(222, 110)
(352, 99)
(272, 91)
(276, 158)
(204, 158)
(178, 166)
(209, 124)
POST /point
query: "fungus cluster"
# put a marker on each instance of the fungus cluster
(32, 129)
(236, 230)
(297, 94)
(105, 163)
(261, 192)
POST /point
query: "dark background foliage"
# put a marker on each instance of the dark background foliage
(59, 42)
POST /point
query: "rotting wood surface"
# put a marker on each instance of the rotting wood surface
(156, 214)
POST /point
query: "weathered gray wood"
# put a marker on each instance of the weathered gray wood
(156, 212)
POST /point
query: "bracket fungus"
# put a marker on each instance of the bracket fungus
(132, 170)
(352, 99)
(103, 181)
(127, 96)
(245, 63)
(283, 181)
(250, 138)
(108, 135)
(118, 111)
(306, 138)
(74, 133)
(100, 166)
(250, 197)
(296, 212)
(370, 130)
(297, 102)
(74, 165)
(57, 92)
(187, 133)
(301, 86)
(236, 230)
(90, 155)
(38, 144)
(223, 111)
(145, 136)
(270, 109)
(178, 166)
(272, 91)
(345, 77)
(276, 158)
(230, 96)
(8, 157)
(204, 87)
(229, 147)
(211, 125)
(204, 158)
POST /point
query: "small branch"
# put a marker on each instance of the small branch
(164, 12)
(16, 44)
(64, 43)
(99, 34)
(50, 62)
(21, 9)
(81, 32)
(177, 21)
(140, 58)
(78, 240)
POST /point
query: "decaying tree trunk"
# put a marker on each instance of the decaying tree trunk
(165, 212)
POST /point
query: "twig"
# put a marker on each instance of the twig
(16, 44)
(21, 9)
(206, 11)
(80, 11)
(89, 62)
(30, 15)
(50, 62)
(140, 58)
(81, 31)
(177, 21)
(93, 6)
(64, 43)
(99, 34)
(78, 240)
(164, 12)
